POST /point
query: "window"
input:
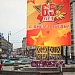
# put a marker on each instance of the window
(72, 36)
(0, 44)
(72, 42)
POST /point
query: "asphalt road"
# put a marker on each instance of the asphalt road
(68, 73)
(8, 68)
(11, 68)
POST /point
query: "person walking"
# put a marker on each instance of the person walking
(0, 65)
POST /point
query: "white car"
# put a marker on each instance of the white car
(23, 62)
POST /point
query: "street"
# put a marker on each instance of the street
(11, 68)
(8, 68)
(68, 73)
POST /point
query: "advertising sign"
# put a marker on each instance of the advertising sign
(48, 53)
(48, 23)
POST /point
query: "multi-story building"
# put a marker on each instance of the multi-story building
(72, 6)
(5, 46)
(71, 49)
(24, 43)
(20, 51)
(24, 47)
(28, 50)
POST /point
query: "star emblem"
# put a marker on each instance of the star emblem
(61, 33)
(39, 39)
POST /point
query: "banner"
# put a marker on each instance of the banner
(48, 23)
(48, 53)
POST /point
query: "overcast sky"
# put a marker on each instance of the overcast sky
(13, 18)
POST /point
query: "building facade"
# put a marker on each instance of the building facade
(28, 50)
(72, 6)
(71, 49)
(24, 43)
(5, 46)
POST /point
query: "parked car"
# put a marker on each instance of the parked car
(19, 56)
(73, 62)
(4, 60)
(25, 56)
(8, 62)
(31, 57)
(23, 62)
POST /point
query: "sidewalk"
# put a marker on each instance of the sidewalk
(69, 65)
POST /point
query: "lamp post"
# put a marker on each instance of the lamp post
(9, 33)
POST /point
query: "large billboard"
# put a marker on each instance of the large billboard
(48, 23)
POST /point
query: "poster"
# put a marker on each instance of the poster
(48, 23)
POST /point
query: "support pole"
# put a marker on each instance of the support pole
(66, 60)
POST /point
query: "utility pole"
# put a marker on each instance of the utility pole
(9, 33)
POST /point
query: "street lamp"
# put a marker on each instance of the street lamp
(9, 33)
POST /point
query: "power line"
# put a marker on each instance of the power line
(16, 42)
(18, 31)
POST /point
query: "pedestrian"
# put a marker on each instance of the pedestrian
(0, 66)
(1, 62)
